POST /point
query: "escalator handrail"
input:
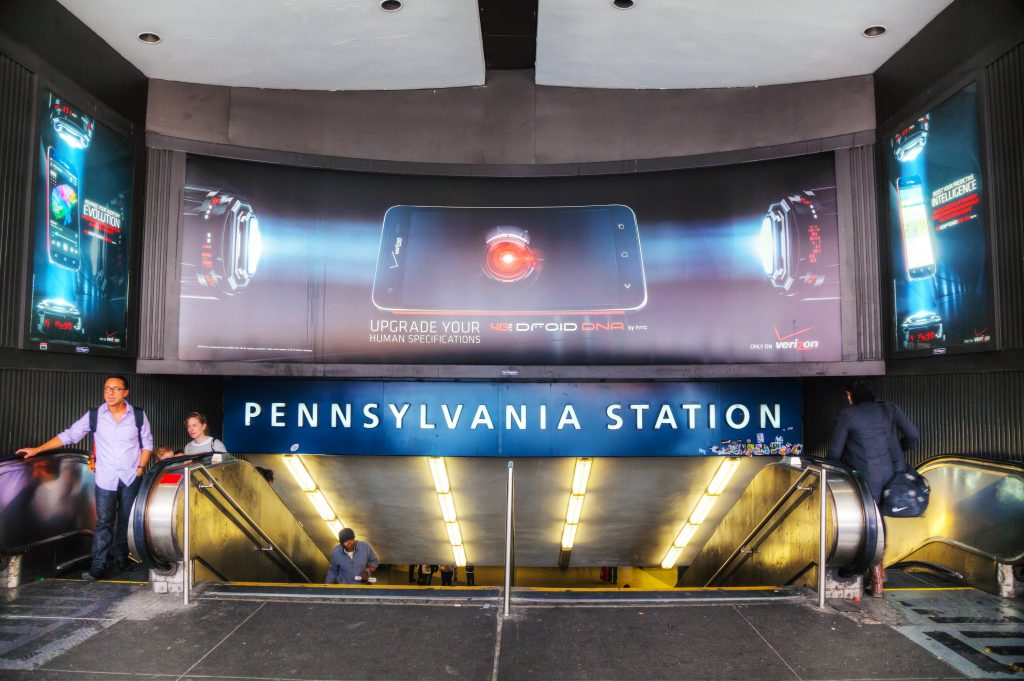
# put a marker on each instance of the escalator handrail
(67, 451)
(150, 478)
(1013, 467)
(865, 556)
(948, 541)
(252, 523)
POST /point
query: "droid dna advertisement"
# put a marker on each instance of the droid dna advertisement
(513, 419)
(715, 265)
(82, 216)
(937, 231)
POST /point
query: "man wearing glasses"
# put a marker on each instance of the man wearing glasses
(123, 446)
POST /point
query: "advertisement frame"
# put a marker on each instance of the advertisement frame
(890, 326)
(858, 355)
(127, 132)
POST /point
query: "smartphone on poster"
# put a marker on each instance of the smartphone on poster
(63, 210)
(918, 249)
(526, 260)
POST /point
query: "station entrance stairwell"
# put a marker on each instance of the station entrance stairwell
(765, 530)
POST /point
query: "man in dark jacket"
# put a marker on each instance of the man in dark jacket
(871, 437)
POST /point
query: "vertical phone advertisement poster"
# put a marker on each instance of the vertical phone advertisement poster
(937, 231)
(82, 215)
(715, 265)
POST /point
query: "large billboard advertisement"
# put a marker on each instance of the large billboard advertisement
(937, 231)
(723, 265)
(408, 418)
(82, 225)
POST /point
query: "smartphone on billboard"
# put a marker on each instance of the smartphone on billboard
(531, 260)
(63, 208)
(917, 238)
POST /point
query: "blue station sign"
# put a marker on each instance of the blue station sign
(411, 418)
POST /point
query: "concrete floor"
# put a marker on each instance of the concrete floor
(69, 630)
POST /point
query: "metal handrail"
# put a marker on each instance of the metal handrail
(963, 460)
(200, 468)
(1009, 560)
(25, 548)
(510, 530)
(743, 550)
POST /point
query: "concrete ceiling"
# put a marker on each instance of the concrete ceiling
(355, 45)
(632, 512)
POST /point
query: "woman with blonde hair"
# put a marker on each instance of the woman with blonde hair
(202, 442)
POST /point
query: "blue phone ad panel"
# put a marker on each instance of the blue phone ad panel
(716, 265)
(513, 419)
(82, 214)
(938, 231)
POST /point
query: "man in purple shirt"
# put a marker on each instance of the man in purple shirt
(122, 453)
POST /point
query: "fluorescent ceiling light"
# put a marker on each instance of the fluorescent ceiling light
(581, 475)
(299, 472)
(723, 476)
(685, 535)
(572, 515)
(440, 474)
(569, 537)
(671, 557)
(460, 555)
(447, 507)
(700, 512)
(454, 533)
(320, 504)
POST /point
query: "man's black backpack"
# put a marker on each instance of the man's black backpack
(94, 415)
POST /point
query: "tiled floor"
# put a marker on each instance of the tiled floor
(71, 630)
(979, 634)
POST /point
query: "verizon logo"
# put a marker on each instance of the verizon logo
(793, 342)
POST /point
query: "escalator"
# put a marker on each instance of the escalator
(765, 531)
(236, 528)
(241, 530)
(972, 532)
(47, 514)
(773, 534)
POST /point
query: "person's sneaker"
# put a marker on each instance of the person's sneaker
(91, 576)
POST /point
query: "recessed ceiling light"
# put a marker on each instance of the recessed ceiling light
(622, 4)
(391, 5)
(149, 38)
(875, 31)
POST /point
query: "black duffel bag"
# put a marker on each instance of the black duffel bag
(905, 496)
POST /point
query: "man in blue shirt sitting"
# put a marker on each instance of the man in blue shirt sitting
(352, 562)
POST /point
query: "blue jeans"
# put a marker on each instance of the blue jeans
(112, 507)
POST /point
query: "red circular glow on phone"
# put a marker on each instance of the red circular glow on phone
(508, 259)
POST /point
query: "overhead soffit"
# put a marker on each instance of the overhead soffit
(355, 45)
